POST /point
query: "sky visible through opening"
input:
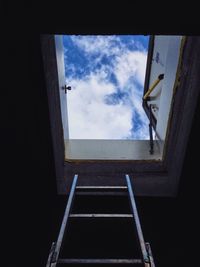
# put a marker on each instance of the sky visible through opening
(106, 74)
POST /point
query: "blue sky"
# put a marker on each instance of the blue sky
(106, 74)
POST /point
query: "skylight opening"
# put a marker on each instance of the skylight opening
(106, 75)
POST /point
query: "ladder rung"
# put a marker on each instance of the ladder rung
(96, 215)
(102, 261)
(101, 187)
(96, 193)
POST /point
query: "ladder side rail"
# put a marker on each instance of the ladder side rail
(64, 222)
(137, 221)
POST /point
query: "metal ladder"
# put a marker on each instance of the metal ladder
(147, 257)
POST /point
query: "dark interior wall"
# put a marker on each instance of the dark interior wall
(32, 209)
(30, 202)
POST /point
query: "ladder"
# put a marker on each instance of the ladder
(146, 259)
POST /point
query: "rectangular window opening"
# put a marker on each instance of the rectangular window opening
(115, 85)
(106, 76)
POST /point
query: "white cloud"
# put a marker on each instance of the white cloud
(89, 116)
(130, 63)
(103, 45)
